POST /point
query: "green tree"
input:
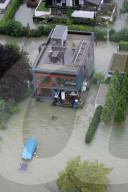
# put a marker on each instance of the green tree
(106, 114)
(83, 176)
(112, 92)
(119, 115)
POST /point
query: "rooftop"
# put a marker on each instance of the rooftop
(83, 14)
(68, 60)
(59, 32)
(96, 2)
(119, 61)
(101, 95)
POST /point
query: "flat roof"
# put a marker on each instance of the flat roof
(83, 14)
(101, 95)
(69, 61)
(96, 2)
(118, 61)
(59, 32)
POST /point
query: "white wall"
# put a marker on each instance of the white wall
(4, 5)
(41, 13)
(69, 3)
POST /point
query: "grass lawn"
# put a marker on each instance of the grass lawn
(42, 7)
(120, 62)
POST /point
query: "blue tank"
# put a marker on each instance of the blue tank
(29, 149)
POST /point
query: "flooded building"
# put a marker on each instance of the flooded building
(63, 64)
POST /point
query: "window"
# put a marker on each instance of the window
(87, 58)
(66, 82)
(54, 82)
(37, 79)
(83, 69)
(45, 80)
(91, 47)
(38, 92)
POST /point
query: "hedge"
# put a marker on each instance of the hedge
(123, 45)
(9, 14)
(93, 125)
(15, 28)
(117, 36)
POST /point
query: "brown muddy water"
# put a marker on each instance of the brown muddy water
(62, 138)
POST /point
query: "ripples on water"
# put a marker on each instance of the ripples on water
(51, 134)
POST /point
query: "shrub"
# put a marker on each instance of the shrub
(12, 28)
(2, 127)
(15, 47)
(93, 125)
(9, 14)
(14, 110)
(97, 78)
(123, 45)
(27, 93)
(121, 35)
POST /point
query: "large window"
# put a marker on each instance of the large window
(45, 80)
(48, 81)
(66, 82)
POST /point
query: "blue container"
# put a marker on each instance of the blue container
(29, 149)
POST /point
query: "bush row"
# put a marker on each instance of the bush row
(121, 35)
(9, 14)
(123, 45)
(93, 125)
(15, 28)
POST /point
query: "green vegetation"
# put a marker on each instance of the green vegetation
(122, 104)
(12, 28)
(93, 125)
(9, 14)
(112, 97)
(121, 35)
(120, 62)
(14, 110)
(125, 7)
(97, 78)
(2, 127)
(98, 34)
(15, 72)
(42, 7)
(15, 28)
(83, 176)
(123, 45)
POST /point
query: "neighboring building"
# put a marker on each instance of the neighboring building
(118, 61)
(88, 5)
(64, 62)
(101, 95)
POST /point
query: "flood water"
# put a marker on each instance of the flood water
(25, 14)
(60, 138)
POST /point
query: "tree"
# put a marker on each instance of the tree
(106, 114)
(119, 115)
(13, 84)
(14, 73)
(83, 177)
